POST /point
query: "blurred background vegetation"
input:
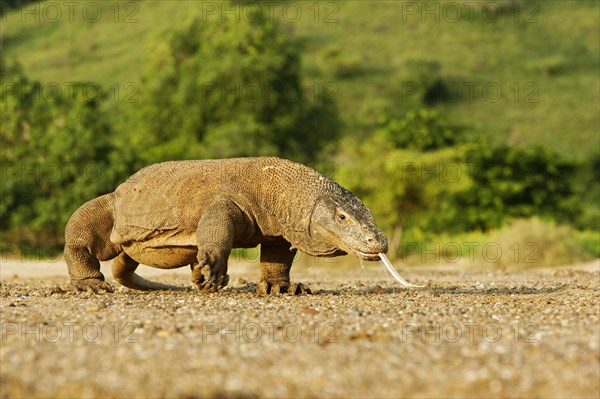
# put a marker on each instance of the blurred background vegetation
(456, 132)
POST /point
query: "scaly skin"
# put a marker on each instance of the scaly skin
(180, 213)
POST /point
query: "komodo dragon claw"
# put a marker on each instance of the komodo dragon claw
(265, 288)
(206, 280)
(94, 286)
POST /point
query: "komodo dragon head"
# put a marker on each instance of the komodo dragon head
(342, 224)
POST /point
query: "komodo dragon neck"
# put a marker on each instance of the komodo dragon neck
(287, 193)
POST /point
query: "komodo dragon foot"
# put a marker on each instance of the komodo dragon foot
(265, 288)
(205, 279)
(94, 285)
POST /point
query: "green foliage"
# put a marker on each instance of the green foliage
(54, 157)
(396, 183)
(587, 190)
(509, 182)
(425, 82)
(401, 184)
(194, 104)
(212, 90)
(10, 5)
(422, 130)
(590, 241)
(549, 49)
(224, 89)
(340, 64)
(420, 173)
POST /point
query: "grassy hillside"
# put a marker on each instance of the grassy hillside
(545, 64)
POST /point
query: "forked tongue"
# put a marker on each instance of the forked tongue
(397, 277)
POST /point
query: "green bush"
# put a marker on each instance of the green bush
(422, 130)
(396, 171)
(423, 82)
(9, 5)
(225, 89)
(590, 241)
(422, 173)
(511, 182)
(55, 156)
(587, 189)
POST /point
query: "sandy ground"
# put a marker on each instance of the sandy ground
(469, 333)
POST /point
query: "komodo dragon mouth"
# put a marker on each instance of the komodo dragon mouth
(367, 255)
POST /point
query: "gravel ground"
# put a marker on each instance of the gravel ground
(469, 333)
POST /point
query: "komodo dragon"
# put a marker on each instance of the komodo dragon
(180, 213)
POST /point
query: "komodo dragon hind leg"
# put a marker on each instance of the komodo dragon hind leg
(87, 242)
(123, 270)
(275, 264)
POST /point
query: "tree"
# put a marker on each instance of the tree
(54, 157)
(423, 173)
(510, 182)
(405, 172)
(587, 191)
(8, 5)
(422, 130)
(228, 88)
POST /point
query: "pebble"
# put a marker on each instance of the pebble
(239, 282)
(311, 311)
(336, 343)
(376, 289)
(97, 307)
(57, 290)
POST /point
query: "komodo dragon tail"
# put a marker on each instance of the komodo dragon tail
(123, 270)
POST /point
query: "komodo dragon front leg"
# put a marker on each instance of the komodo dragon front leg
(275, 264)
(219, 225)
